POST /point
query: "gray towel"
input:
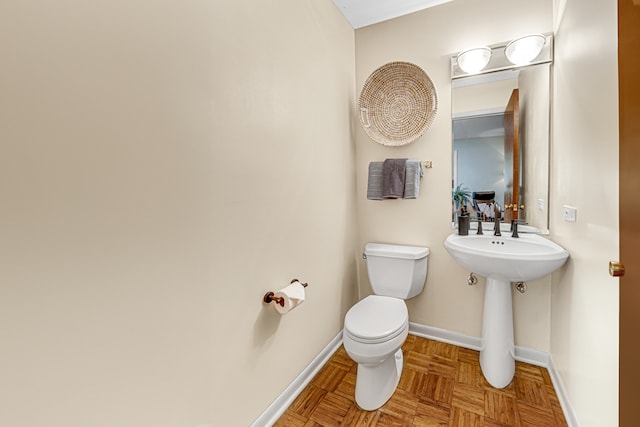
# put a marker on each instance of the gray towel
(374, 184)
(412, 179)
(393, 176)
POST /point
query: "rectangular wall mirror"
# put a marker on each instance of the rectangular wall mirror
(500, 123)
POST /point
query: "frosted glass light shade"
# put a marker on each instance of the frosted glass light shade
(524, 49)
(474, 60)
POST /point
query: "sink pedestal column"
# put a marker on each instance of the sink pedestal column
(496, 348)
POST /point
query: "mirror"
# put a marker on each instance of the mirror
(512, 165)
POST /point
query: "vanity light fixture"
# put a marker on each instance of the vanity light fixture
(524, 49)
(474, 60)
(531, 49)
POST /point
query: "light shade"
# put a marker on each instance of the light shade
(474, 60)
(524, 49)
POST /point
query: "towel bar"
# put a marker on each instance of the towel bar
(427, 164)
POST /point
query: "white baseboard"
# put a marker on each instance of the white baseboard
(445, 336)
(522, 354)
(563, 396)
(282, 402)
(532, 357)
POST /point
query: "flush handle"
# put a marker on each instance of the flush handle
(616, 269)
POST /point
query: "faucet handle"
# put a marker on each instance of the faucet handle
(514, 226)
(479, 229)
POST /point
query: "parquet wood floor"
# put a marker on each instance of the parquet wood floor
(441, 385)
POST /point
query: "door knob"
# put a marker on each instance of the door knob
(616, 269)
(514, 206)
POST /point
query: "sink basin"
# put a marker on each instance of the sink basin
(503, 260)
(528, 257)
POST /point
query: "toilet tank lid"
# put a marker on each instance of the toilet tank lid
(395, 251)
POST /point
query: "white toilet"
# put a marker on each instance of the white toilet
(377, 326)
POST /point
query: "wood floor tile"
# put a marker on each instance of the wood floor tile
(408, 344)
(531, 416)
(421, 345)
(437, 389)
(501, 407)
(341, 359)
(468, 398)
(329, 377)
(443, 367)
(463, 418)
(444, 350)
(402, 405)
(290, 419)
(468, 356)
(532, 392)
(347, 387)
(441, 385)
(546, 378)
(331, 410)
(410, 380)
(307, 401)
(559, 416)
(417, 361)
(387, 420)
(356, 417)
(428, 414)
(469, 374)
(530, 372)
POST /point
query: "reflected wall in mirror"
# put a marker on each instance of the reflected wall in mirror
(515, 167)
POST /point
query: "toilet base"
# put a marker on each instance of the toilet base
(375, 383)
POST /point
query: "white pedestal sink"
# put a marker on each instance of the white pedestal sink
(503, 260)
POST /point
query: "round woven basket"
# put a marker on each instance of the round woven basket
(397, 104)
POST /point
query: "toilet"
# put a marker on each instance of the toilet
(377, 326)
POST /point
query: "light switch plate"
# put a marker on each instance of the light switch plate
(540, 204)
(569, 213)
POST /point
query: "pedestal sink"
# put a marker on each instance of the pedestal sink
(503, 260)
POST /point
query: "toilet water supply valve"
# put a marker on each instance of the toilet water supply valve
(520, 286)
(472, 279)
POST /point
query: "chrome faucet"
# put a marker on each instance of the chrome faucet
(497, 215)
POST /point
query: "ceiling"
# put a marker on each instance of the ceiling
(361, 13)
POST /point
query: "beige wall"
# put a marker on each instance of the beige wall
(535, 106)
(428, 39)
(584, 320)
(162, 165)
(472, 99)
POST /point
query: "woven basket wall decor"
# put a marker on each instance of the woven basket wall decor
(397, 104)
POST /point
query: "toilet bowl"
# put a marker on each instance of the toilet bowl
(374, 331)
(377, 326)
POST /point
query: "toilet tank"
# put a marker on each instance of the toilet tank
(396, 271)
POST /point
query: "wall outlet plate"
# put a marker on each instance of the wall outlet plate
(569, 213)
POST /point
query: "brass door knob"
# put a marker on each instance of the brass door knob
(514, 207)
(616, 269)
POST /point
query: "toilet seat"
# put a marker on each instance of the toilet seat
(376, 319)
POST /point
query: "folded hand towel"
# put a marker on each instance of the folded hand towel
(393, 176)
(374, 183)
(412, 179)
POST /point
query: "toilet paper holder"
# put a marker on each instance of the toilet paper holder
(269, 296)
